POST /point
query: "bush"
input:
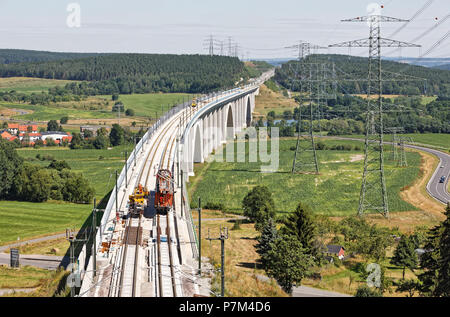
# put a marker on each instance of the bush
(366, 291)
(59, 165)
(214, 206)
(130, 113)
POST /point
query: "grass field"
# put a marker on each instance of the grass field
(21, 220)
(98, 107)
(41, 283)
(26, 220)
(146, 105)
(56, 247)
(30, 85)
(74, 110)
(98, 166)
(335, 192)
(434, 139)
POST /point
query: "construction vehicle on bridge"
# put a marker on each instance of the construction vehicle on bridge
(139, 196)
(164, 191)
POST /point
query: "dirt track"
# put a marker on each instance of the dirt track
(417, 196)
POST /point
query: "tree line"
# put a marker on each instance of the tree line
(426, 81)
(136, 73)
(346, 114)
(12, 56)
(23, 181)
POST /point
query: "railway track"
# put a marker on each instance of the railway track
(133, 233)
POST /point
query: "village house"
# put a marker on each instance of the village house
(17, 129)
(56, 136)
(335, 250)
(32, 137)
(7, 136)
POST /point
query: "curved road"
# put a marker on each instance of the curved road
(436, 189)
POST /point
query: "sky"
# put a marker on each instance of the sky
(262, 28)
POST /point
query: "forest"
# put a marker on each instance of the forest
(11, 56)
(351, 76)
(136, 73)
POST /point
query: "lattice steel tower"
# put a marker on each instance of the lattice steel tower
(305, 159)
(373, 195)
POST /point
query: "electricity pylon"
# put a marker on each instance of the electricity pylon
(373, 195)
(305, 158)
(403, 162)
(395, 141)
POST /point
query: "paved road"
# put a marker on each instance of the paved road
(304, 291)
(40, 261)
(434, 187)
(437, 190)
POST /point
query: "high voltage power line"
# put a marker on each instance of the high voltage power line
(373, 190)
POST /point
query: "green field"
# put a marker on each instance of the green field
(99, 171)
(335, 192)
(30, 85)
(25, 220)
(433, 139)
(99, 107)
(146, 105)
(56, 112)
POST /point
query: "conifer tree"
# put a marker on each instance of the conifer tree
(301, 225)
(443, 277)
(405, 255)
(268, 236)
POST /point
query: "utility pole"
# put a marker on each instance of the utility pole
(373, 195)
(134, 151)
(182, 194)
(71, 237)
(223, 236)
(126, 169)
(200, 236)
(117, 198)
(94, 234)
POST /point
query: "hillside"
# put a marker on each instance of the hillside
(10, 56)
(137, 73)
(351, 67)
(443, 67)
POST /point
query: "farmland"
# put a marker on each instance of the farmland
(439, 140)
(340, 179)
(30, 85)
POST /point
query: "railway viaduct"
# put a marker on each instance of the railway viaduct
(213, 126)
(146, 265)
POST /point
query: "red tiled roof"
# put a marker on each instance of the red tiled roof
(13, 126)
(31, 134)
(6, 135)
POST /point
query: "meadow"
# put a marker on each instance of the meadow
(335, 192)
(26, 220)
(147, 105)
(30, 85)
(440, 140)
